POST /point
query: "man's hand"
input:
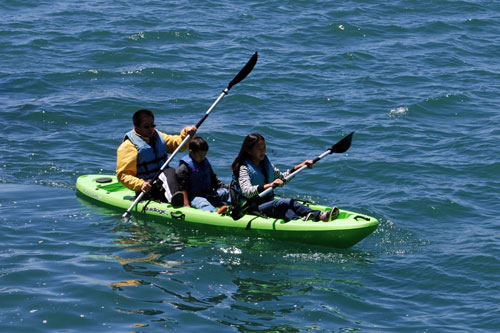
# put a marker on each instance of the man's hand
(146, 187)
(191, 130)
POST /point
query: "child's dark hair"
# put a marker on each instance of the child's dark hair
(250, 140)
(198, 144)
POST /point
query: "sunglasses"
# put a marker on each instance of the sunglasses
(149, 126)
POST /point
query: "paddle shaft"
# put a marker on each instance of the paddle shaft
(293, 174)
(240, 76)
(340, 147)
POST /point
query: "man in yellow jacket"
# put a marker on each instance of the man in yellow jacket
(143, 152)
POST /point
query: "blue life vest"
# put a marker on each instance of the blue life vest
(200, 178)
(150, 158)
(261, 178)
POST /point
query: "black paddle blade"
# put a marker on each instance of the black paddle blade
(342, 146)
(244, 71)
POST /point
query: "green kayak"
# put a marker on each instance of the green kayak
(345, 231)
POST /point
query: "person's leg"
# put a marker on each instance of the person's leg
(280, 208)
(302, 210)
(172, 193)
(219, 197)
(202, 203)
(327, 216)
(223, 196)
(222, 199)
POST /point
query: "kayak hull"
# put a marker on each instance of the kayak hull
(345, 231)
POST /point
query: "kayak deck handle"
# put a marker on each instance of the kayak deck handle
(357, 217)
(178, 216)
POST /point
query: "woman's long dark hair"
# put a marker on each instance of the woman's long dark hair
(250, 140)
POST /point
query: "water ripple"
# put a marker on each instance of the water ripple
(417, 82)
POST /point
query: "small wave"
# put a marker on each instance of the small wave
(164, 35)
(398, 112)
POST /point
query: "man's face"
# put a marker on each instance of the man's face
(147, 127)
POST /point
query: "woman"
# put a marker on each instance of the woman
(255, 173)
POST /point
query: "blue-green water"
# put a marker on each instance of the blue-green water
(417, 81)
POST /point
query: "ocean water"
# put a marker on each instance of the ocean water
(419, 83)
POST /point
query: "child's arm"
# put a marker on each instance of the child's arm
(216, 182)
(186, 198)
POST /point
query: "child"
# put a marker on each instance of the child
(197, 181)
(255, 173)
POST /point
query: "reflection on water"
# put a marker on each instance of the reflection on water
(170, 274)
(118, 285)
(149, 258)
(244, 283)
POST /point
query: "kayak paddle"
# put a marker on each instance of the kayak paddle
(339, 148)
(238, 78)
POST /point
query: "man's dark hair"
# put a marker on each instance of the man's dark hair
(137, 117)
(198, 144)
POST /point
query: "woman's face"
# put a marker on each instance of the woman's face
(258, 151)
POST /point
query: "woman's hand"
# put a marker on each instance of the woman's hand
(276, 183)
(309, 164)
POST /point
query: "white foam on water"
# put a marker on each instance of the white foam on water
(398, 112)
